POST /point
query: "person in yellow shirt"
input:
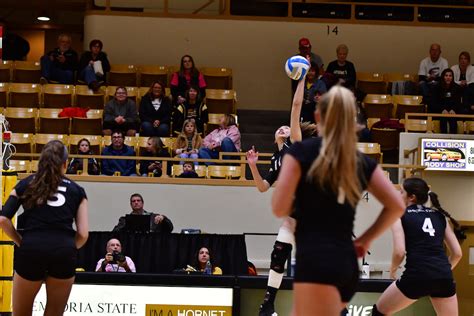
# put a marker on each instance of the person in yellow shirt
(202, 258)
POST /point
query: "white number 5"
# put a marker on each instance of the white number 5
(61, 199)
(428, 227)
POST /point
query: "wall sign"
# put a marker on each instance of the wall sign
(447, 154)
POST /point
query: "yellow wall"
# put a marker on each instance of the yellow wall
(36, 40)
(257, 50)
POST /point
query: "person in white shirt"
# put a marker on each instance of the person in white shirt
(115, 260)
(430, 69)
(464, 71)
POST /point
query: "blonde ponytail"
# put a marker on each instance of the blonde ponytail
(336, 166)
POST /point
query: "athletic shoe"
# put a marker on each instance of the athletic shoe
(267, 309)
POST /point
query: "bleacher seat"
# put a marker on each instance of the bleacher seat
(407, 104)
(388, 138)
(5, 71)
(151, 73)
(132, 93)
(21, 120)
(50, 122)
(417, 126)
(469, 129)
(169, 142)
(20, 166)
(177, 170)
(23, 142)
(122, 75)
(217, 78)
(92, 125)
(43, 139)
(4, 94)
(95, 141)
(372, 150)
(57, 96)
(87, 98)
(34, 166)
(371, 83)
(224, 172)
(220, 101)
(213, 121)
(378, 105)
(24, 95)
(26, 72)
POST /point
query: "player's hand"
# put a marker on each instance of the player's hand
(252, 156)
(361, 247)
(109, 257)
(159, 219)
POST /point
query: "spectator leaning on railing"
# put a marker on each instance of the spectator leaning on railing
(111, 166)
(76, 164)
(154, 148)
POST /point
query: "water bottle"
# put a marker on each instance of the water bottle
(208, 268)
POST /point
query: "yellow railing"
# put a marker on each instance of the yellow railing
(426, 119)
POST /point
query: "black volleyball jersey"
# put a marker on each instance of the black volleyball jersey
(424, 230)
(276, 161)
(57, 214)
(318, 211)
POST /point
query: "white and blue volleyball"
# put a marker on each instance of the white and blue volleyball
(296, 67)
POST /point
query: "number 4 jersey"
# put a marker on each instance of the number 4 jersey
(424, 238)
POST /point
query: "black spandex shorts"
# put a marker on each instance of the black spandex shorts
(36, 264)
(416, 288)
(325, 264)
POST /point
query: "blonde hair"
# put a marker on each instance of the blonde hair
(182, 139)
(336, 166)
(342, 47)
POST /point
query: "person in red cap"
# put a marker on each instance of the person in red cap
(305, 50)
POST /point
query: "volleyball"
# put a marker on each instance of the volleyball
(296, 67)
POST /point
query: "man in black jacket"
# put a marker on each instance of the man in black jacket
(158, 223)
(60, 64)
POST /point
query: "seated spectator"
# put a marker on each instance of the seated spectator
(464, 71)
(188, 171)
(187, 76)
(446, 99)
(154, 148)
(430, 70)
(158, 223)
(76, 164)
(225, 138)
(115, 260)
(201, 260)
(59, 64)
(313, 90)
(194, 107)
(155, 112)
(188, 141)
(343, 70)
(87, 72)
(120, 113)
(118, 148)
(305, 50)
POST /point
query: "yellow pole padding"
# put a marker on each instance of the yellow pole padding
(9, 180)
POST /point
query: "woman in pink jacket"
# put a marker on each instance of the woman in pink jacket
(225, 138)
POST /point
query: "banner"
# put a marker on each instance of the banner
(142, 300)
(447, 154)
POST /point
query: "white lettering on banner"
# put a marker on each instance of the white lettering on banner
(355, 310)
(200, 313)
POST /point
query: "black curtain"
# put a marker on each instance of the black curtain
(163, 253)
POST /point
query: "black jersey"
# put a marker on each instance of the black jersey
(424, 230)
(276, 161)
(58, 214)
(318, 210)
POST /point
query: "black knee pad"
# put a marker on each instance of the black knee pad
(281, 252)
(375, 311)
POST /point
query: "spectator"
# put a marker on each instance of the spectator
(343, 70)
(87, 72)
(59, 64)
(430, 70)
(203, 256)
(154, 148)
(188, 142)
(111, 166)
(187, 76)
(76, 164)
(225, 138)
(120, 113)
(446, 99)
(305, 51)
(155, 111)
(115, 260)
(464, 71)
(313, 90)
(158, 223)
(194, 107)
(188, 171)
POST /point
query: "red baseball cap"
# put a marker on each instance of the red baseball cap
(304, 42)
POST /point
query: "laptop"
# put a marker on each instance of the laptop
(137, 223)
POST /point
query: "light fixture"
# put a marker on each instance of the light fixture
(43, 16)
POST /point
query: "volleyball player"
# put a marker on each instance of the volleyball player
(47, 249)
(322, 179)
(284, 137)
(421, 233)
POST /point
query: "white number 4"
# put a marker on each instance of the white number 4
(428, 227)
